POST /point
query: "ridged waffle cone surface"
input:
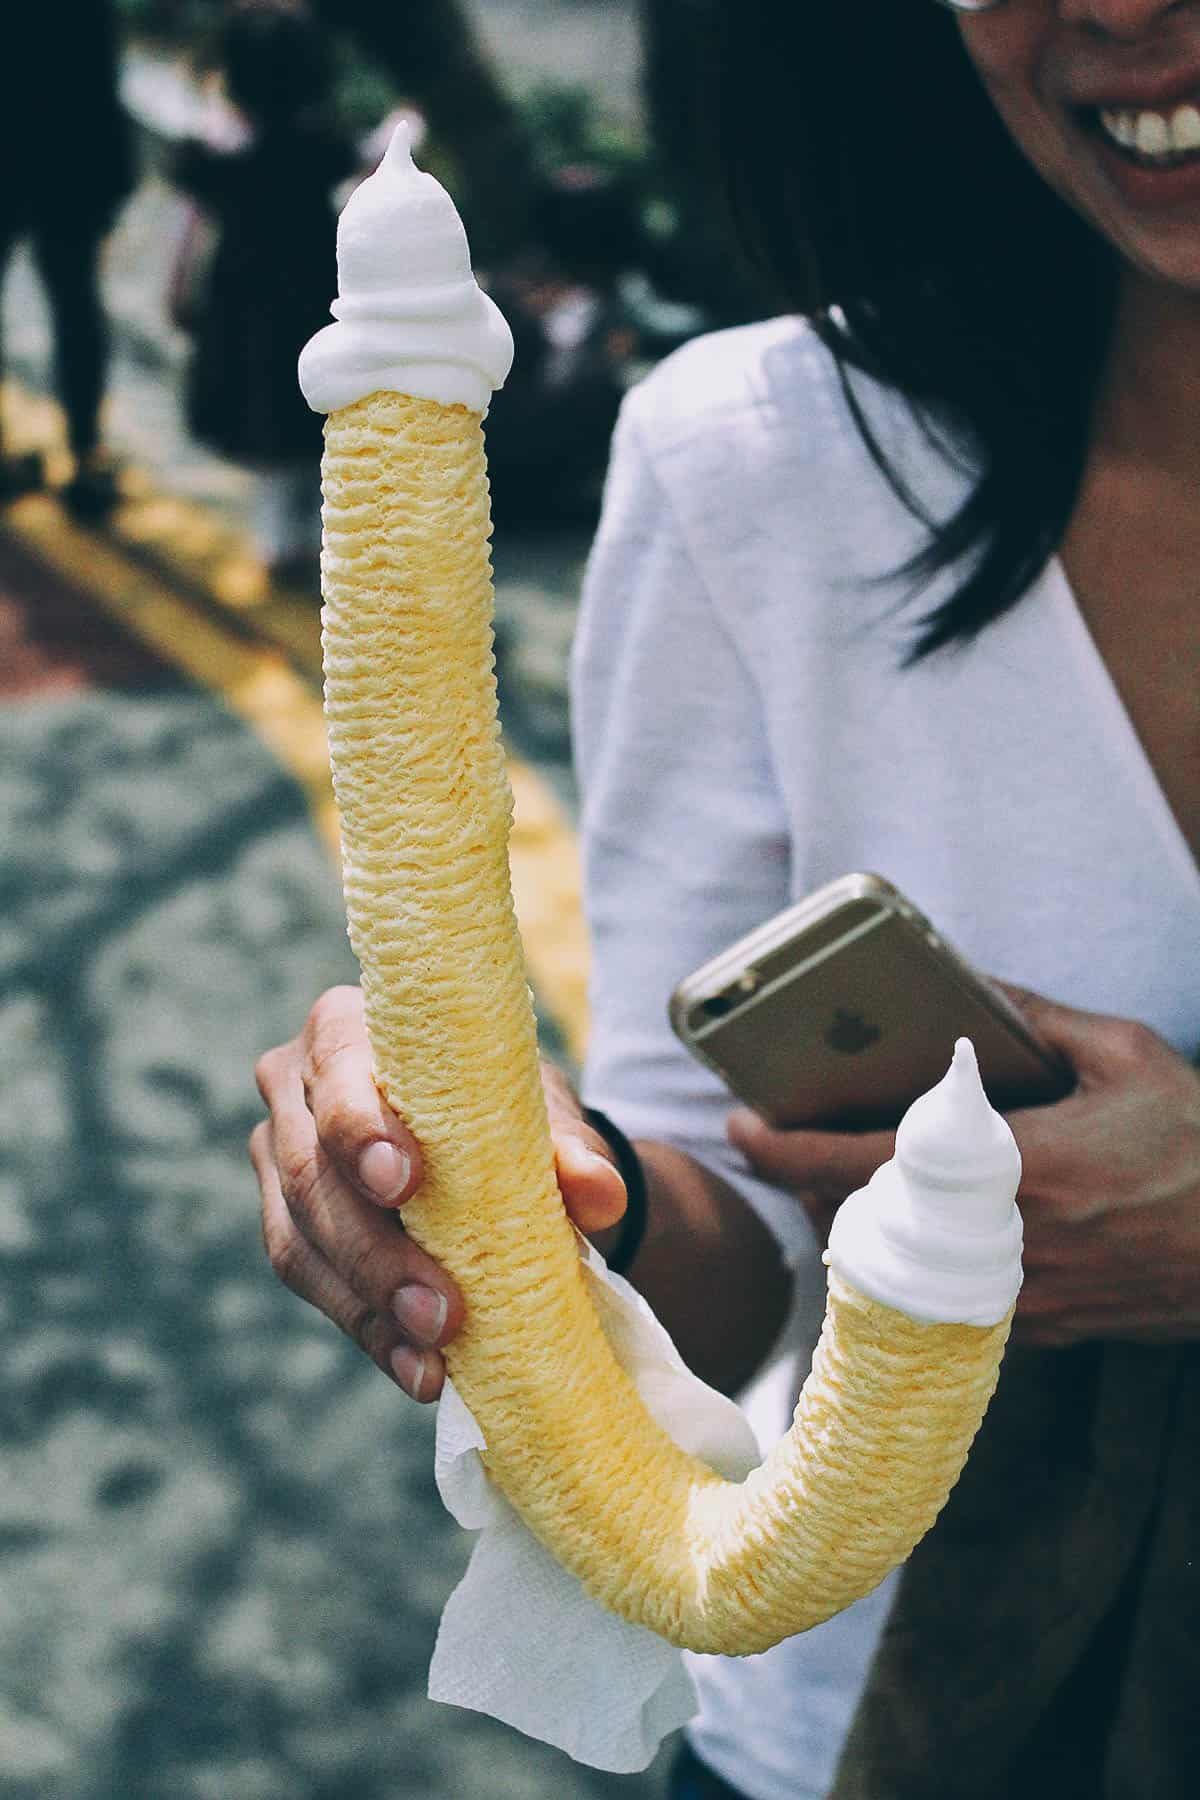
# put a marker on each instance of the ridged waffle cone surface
(891, 1406)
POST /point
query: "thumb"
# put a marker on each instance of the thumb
(1087, 1041)
(588, 1179)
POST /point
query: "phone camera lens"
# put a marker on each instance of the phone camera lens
(717, 1005)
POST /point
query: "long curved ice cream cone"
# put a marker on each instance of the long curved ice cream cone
(892, 1404)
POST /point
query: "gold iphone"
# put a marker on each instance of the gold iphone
(842, 1010)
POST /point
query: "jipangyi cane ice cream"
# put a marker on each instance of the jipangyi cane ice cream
(893, 1401)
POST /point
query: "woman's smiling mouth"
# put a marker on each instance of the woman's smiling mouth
(1152, 139)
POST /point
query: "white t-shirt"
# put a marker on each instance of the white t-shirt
(745, 733)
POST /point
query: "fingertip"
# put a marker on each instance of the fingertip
(258, 1143)
(592, 1187)
(742, 1126)
(1047, 1016)
(455, 1319)
(417, 1269)
(388, 1173)
(576, 1156)
(596, 1212)
(421, 1373)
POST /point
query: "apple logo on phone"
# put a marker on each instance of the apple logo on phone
(851, 1033)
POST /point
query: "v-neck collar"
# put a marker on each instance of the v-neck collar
(1115, 714)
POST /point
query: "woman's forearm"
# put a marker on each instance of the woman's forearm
(709, 1267)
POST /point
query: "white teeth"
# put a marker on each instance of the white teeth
(1154, 134)
(1185, 129)
(1120, 125)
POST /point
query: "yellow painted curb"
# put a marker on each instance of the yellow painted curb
(253, 679)
(264, 658)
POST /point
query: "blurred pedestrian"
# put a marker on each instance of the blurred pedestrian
(265, 285)
(66, 164)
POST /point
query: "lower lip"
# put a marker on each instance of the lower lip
(1150, 188)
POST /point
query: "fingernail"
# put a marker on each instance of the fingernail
(408, 1366)
(421, 1311)
(581, 1156)
(384, 1170)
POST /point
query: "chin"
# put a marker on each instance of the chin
(1151, 219)
(1174, 266)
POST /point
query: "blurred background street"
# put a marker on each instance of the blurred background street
(223, 1555)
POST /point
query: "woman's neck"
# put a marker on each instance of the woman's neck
(1148, 409)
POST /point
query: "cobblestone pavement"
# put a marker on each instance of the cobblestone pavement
(224, 1559)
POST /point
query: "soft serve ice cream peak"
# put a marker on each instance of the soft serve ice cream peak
(951, 1136)
(410, 317)
(936, 1232)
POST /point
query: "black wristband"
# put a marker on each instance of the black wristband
(629, 1166)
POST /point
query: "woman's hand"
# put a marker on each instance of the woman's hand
(1110, 1192)
(1111, 1187)
(335, 1167)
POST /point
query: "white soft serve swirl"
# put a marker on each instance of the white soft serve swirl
(936, 1232)
(411, 318)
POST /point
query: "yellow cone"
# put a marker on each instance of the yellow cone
(891, 1406)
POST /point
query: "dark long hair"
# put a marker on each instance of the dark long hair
(872, 186)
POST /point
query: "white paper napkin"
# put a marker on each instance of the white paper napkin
(519, 1638)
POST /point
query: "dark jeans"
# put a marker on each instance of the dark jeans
(67, 259)
(692, 1780)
